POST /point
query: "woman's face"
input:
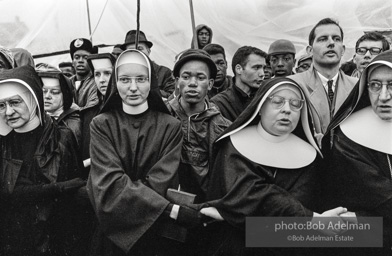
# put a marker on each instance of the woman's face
(102, 78)
(53, 98)
(133, 84)
(382, 100)
(280, 120)
(14, 111)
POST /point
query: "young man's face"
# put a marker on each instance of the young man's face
(327, 47)
(80, 62)
(362, 61)
(221, 66)
(194, 82)
(267, 72)
(252, 75)
(203, 37)
(282, 64)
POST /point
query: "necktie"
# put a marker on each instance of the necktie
(330, 91)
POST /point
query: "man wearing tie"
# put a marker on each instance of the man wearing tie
(326, 84)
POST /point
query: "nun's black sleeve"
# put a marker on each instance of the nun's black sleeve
(360, 179)
(240, 188)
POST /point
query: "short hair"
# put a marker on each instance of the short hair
(241, 56)
(326, 21)
(268, 62)
(348, 67)
(213, 49)
(374, 36)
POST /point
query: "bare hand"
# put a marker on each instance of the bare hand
(329, 219)
(212, 212)
(350, 217)
(336, 212)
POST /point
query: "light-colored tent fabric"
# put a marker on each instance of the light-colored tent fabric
(44, 26)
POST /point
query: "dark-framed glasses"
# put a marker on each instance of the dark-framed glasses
(278, 102)
(372, 50)
(376, 86)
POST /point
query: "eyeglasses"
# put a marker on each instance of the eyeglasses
(137, 79)
(373, 50)
(12, 103)
(278, 103)
(376, 86)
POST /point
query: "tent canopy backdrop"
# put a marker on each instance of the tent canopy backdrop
(46, 26)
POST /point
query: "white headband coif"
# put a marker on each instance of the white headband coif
(133, 56)
(49, 81)
(102, 63)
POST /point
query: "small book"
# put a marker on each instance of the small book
(169, 228)
(180, 197)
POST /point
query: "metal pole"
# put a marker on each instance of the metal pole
(137, 24)
(195, 44)
(89, 23)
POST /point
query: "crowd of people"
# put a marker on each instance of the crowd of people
(114, 154)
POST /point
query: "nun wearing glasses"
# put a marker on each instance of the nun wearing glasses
(360, 176)
(135, 152)
(265, 166)
(58, 101)
(39, 172)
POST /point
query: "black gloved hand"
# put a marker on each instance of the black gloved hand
(189, 217)
(70, 185)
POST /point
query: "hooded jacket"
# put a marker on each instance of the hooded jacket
(200, 131)
(198, 28)
(8, 56)
(22, 57)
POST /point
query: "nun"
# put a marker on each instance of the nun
(265, 165)
(39, 171)
(135, 152)
(58, 101)
(360, 174)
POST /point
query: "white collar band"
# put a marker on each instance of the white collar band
(135, 110)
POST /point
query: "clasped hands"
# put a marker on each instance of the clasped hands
(190, 217)
(334, 220)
